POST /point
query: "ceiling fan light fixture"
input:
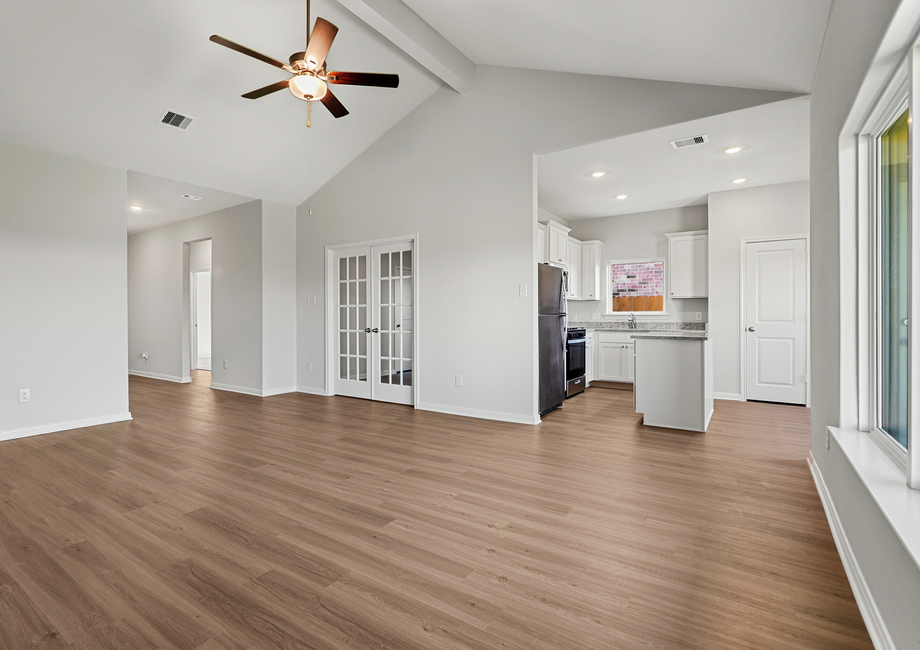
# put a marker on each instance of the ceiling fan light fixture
(307, 87)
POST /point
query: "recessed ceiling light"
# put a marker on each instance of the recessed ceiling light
(135, 207)
(621, 196)
(191, 197)
(739, 180)
(733, 150)
(598, 174)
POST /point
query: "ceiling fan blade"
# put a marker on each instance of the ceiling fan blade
(363, 79)
(268, 90)
(320, 42)
(335, 107)
(242, 49)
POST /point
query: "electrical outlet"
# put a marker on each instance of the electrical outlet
(225, 364)
(522, 290)
(699, 315)
(313, 300)
(24, 395)
(309, 366)
(458, 380)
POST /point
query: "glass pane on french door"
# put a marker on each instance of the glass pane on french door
(394, 281)
(352, 349)
(894, 280)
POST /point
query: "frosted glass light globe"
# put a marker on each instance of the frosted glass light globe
(307, 87)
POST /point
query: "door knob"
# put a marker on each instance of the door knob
(367, 330)
(750, 329)
(375, 330)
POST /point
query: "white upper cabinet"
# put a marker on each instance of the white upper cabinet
(541, 243)
(688, 257)
(558, 244)
(589, 282)
(582, 259)
(574, 258)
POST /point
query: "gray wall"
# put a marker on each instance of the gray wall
(460, 171)
(634, 236)
(773, 210)
(158, 267)
(279, 298)
(854, 33)
(63, 331)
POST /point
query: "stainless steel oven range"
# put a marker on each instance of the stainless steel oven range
(575, 361)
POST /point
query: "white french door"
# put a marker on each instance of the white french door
(775, 325)
(374, 317)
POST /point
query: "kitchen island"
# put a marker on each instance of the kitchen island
(673, 381)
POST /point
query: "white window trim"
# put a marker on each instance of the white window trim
(608, 289)
(899, 92)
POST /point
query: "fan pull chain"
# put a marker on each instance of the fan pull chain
(309, 113)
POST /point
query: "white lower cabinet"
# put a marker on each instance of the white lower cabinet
(615, 360)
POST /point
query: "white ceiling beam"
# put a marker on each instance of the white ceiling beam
(418, 39)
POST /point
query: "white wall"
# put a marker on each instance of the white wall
(636, 236)
(158, 297)
(279, 298)
(459, 170)
(855, 30)
(199, 255)
(63, 329)
(735, 215)
(546, 215)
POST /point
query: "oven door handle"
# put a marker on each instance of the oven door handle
(571, 341)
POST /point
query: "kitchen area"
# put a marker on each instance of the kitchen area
(618, 320)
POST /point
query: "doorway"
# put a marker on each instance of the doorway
(775, 320)
(201, 320)
(372, 335)
(200, 304)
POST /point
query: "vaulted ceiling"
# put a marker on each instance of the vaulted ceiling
(91, 78)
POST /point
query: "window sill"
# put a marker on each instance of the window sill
(887, 485)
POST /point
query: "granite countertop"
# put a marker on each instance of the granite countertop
(664, 327)
(673, 335)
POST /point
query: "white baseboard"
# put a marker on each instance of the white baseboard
(63, 426)
(867, 607)
(237, 389)
(479, 413)
(734, 397)
(309, 390)
(279, 391)
(155, 375)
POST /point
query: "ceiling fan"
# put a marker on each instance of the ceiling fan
(310, 79)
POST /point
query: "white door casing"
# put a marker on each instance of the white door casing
(352, 268)
(775, 321)
(373, 316)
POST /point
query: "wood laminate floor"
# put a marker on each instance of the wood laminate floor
(219, 521)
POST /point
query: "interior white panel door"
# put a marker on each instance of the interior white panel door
(375, 322)
(352, 279)
(203, 320)
(392, 344)
(776, 330)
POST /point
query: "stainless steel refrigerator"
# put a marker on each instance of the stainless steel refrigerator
(551, 286)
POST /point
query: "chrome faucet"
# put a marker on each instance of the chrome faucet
(632, 321)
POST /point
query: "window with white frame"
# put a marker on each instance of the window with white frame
(892, 375)
(636, 286)
(891, 281)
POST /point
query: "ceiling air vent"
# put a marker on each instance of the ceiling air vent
(171, 118)
(689, 142)
(191, 197)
